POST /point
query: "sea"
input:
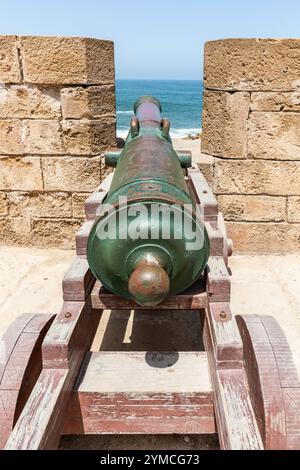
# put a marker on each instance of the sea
(181, 102)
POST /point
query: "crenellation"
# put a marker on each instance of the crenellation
(57, 117)
(251, 125)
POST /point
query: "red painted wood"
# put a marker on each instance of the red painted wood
(23, 365)
(193, 298)
(78, 280)
(70, 335)
(264, 381)
(291, 399)
(81, 237)
(218, 281)
(203, 195)
(235, 419)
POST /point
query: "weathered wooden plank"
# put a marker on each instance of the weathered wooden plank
(70, 335)
(283, 355)
(92, 418)
(63, 349)
(40, 423)
(81, 237)
(8, 400)
(168, 372)
(10, 338)
(235, 419)
(203, 195)
(93, 202)
(291, 398)
(78, 280)
(175, 394)
(218, 280)
(264, 382)
(216, 240)
(22, 368)
(19, 357)
(193, 298)
(226, 340)
(227, 243)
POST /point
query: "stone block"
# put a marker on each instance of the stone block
(11, 138)
(15, 231)
(252, 208)
(293, 209)
(257, 177)
(275, 101)
(88, 137)
(252, 64)
(224, 122)
(10, 71)
(29, 102)
(274, 136)
(58, 233)
(43, 137)
(264, 238)
(78, 200)
(36, 204)
(88, 102)
(67, 60)
(20, 173)
(71, 173)
(3, 204)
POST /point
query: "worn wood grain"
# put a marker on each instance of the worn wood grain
(216, 240)
(111, 397)
(235, 419)
(21, 366)
(78, 280)
(70, 335)
(203, 195)
(82, 236)
(39, 425)
(193, 298)
(218, 280)
(96, 198)
(291, 398)
(264, 382)
(225, 337)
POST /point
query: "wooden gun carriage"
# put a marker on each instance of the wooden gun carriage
(243, 385)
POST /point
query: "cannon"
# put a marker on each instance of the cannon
(154, 263)
(238, 381)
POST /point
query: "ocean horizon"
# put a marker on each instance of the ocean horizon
(181, 102)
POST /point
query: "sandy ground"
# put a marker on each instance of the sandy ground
(30, 280)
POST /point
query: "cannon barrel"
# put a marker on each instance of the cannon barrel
(148, 241)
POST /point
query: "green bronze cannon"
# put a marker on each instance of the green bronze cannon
(148, 241)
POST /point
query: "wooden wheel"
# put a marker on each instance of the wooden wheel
(273, 381)
(20, 366)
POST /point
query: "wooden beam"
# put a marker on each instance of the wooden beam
(174, 396)
(193, 298)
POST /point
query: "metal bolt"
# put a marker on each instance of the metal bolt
(223, 314)
(204, 191)
(68, 315)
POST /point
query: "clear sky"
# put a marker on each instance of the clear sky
(160, 39)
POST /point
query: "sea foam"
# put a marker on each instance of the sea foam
(175, 133)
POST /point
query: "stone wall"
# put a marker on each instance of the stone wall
(57, 116)
(251, 126)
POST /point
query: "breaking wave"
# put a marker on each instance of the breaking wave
(175, 133)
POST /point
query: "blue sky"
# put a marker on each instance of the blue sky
(159, 39)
